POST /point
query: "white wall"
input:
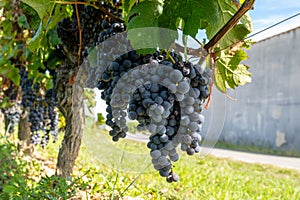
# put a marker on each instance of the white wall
(267, 111)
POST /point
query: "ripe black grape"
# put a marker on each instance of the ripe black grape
(42, 116)
(12, 117)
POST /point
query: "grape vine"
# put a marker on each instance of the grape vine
(27, 85)
(40, 41)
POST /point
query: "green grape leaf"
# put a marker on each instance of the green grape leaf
(6, 68)
(13, 75)
(32, 16)
(2, 61)
(100, 119)
(195, 14)
(127, 5)
(5, 104)
(225, 10)
(144, 15)
(42, 7)
(49, 84)
(58, 15)
(35, 42)
(22, 21)
(230, 73)
(242, 75)
(53, 37)
(7, 27)
(204, 14)
(219, 78)
(50, 14)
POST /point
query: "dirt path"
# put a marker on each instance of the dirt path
(280, 161)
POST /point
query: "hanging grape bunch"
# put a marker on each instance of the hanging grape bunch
(161, 91)
(164, 94)
(12, 112)
(12, 115)
(41, 106)
(92, 22)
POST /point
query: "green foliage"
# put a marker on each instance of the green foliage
(18, 178)
(31, 15)
(40, 38)
(44, 8)
(127, 5)
(132, 126)
(191, 17)
(100, 119)
(147, 9)
(22, 22)
(45, 26)
(8, 48)
(15, 173)
(201, 177)
(90, 98)
(54, 187)
(9, 165)
(225, 10)
(230, 73)
(62, 122)
(15, 52)
(11, 72)
(137, 16)
(194, 15)
(35, 42)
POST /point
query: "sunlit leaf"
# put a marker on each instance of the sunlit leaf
(22, 21)
(13, 75)
(35, 42)
(42, 7)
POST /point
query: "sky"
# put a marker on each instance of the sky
(269, 12)
(265, 14)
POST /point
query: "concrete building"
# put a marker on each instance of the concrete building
(267, 111)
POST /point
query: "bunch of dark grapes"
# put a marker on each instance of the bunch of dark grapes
(51, 110)
(42, 114)
(165, 95)
(12, 117)
(92, 22)
(109, 79)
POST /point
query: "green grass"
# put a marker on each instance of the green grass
(200, 178)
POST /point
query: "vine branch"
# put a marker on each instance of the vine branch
(247, 5)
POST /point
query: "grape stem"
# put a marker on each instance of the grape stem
(169, 56)
(230, 97)
(185, 38)
(201, 52)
